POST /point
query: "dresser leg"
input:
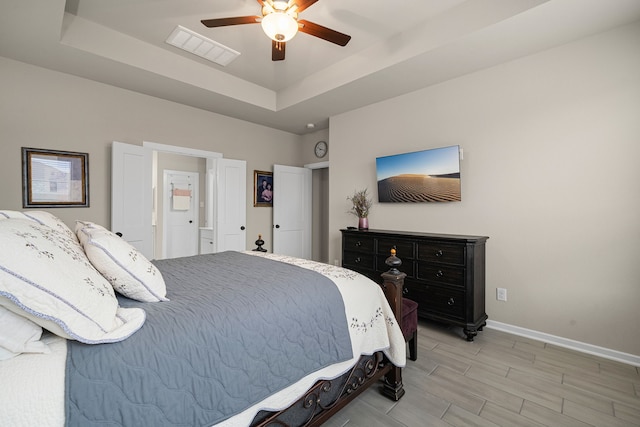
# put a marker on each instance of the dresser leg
(470, 334)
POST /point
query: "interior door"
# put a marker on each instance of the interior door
(180, 214)
(231, 205)
(131, 195)
(292, 189)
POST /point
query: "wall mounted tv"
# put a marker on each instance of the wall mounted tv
(421, 176)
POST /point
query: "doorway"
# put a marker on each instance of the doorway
(180, 196)
(320, 222)
(136, 209)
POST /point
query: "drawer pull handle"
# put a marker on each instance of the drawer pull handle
(358, 243)
(439, 253)
(451, 301)
(405, 291)
(358, 260)
(439, 273)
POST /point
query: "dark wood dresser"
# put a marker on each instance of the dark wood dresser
(445, 272)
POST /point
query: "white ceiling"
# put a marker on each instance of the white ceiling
(396, 47)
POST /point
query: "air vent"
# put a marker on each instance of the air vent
(199, 45)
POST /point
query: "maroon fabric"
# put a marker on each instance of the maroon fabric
(409, 318)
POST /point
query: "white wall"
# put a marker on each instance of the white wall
(45, 109)
(550, 173)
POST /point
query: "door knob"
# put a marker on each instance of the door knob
(277, 225)
(242, 227)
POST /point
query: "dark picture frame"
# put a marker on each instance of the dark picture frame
(262, 189)
(54, 179)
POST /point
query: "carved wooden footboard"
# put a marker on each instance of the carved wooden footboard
(327, 397)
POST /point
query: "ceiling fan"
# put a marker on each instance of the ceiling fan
(280, 22)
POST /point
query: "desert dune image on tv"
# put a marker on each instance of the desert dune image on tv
(422, 176)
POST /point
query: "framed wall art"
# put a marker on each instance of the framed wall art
(431, 175)
(54, 179)
(262, 188)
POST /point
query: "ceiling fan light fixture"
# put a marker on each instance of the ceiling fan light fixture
(280, 4)
(279, 26)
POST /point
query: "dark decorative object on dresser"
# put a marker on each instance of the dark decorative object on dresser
(445, 272)
(259, 244)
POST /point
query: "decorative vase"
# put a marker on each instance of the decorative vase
(363, 223)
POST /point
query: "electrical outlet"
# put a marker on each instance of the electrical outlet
(501, 294)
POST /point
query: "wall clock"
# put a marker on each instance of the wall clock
(321, 149)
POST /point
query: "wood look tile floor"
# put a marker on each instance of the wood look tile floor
(500, 380)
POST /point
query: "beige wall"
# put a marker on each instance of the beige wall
(46, 109)
(550, 174)
(309, 143)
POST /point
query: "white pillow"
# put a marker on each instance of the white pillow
(128, 271)
(4, 214)
(81, 224)
(19, 335)
(49, 280)
(41, 217)
(52, 221)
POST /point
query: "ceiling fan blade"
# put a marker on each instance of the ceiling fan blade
(303, 4)
(323, 32)
(223, 22)
(277, 50)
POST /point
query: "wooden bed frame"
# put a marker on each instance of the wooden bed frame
(327, 397)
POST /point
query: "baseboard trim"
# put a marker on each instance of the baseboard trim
(605, 353)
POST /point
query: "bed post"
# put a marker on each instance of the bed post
(393, 285)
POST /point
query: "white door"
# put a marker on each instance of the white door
(180, 214)
(292, 211)
(231, 206)
(131, 195)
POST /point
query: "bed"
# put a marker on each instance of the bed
(92, 333)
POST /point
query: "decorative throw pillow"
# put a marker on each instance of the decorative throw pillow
(52, 221)
(82, 224)
(44, 218)
(46, 279)
(4, 214)
(19, 335)
(128, 271)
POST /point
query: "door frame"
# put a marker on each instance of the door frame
(209, 157)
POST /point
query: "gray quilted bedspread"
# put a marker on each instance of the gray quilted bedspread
(237, 328)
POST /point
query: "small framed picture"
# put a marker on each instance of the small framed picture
(262, 188)
(54, 179)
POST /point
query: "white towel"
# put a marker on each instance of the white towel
(181, 203)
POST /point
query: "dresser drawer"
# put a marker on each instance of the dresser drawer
(359, 244)
(357, 260)
(404, 249)
(449, 303)
(441, 252)
(450, 275)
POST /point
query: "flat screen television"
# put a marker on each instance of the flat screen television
(421, 176)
